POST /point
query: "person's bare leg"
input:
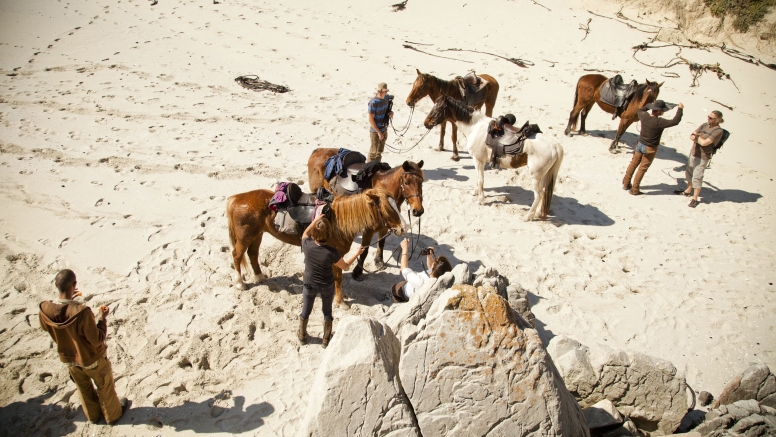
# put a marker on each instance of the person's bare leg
(696, 194)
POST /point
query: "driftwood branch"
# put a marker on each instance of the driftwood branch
(418, 43)
(539, 4)
(729, 107)
(586, 27)
(670, 74)
(598, 70)
(619, 14)
(623, 22)
(407, 46)
(551, 62)
(400, 6)
(252, 82)
(517, 61)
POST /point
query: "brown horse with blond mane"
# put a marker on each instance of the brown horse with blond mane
(402, 182)
(249, 217)
(588, 92)
(428, 85)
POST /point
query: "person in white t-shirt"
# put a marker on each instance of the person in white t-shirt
(403, 291)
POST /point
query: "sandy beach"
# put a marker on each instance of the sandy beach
(123, 132)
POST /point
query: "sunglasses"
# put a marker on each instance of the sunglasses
(712, 118)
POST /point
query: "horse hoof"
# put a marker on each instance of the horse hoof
(613, 150)
(357, 273)
(455, 158)
(259, 278)
(379, 264)
(240, 286)
(343, 305)
(440, 149)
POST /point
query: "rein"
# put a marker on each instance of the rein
(395, 150)
(406, 126)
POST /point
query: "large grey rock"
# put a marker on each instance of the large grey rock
(648, 390)
(471, 371)
(757, 382)
(356, 390)
(741, 418)
(415, 310)
(489, 277)
(462, 274)
(602, 415)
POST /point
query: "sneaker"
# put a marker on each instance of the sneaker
(693, 203)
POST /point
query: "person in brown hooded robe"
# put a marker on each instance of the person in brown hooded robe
(81, 345)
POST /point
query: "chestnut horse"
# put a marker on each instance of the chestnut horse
(428, 85)
(249, 217)
(588, 91)
(404, 182)
(541, 154)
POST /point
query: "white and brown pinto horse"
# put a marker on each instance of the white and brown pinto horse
(541, 154)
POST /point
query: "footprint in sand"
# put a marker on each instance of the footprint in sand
(99, 202)
(64, 242)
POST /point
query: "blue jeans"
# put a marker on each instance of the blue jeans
(308, 298)
(641, 148)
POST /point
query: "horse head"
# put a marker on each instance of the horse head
(387, 210)
(419, 89)
(439, 113)
(412, 186)
(650, 91)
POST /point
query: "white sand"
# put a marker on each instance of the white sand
(123, 133)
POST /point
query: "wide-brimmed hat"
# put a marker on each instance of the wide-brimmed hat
(660, 105)
(382, 86)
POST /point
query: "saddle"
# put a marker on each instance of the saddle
(364, 176)
(503, 142)
(618, 94)
(471, 94)
(299, 209)
(343, 182)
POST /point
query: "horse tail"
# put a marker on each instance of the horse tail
(573, 118)
(232, 234)
(549, 180)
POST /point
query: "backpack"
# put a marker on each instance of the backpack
(725, 136)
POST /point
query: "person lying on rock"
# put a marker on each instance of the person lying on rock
(81, 346)
(403, 291)
(318, 276)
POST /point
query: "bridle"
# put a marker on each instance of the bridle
(403, 192)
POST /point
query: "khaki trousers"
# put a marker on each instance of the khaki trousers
(642, 161)
(377, 147)
(104, 398)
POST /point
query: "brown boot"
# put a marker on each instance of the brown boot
(302, 333)
(327, 325)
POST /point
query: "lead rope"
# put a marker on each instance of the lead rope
(402, 151)
(406, 126)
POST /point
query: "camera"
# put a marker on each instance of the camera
(427, 251)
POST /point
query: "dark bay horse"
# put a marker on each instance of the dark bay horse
(402, 182)
(249, 217)
(428, 85)
(588, 91)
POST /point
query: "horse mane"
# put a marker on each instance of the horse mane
(353, 214)
(462, 111)
(413, 169)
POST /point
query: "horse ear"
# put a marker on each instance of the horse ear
(420, 164)
(406, 166)
(660, 84)
(419, 73)
(646, 81)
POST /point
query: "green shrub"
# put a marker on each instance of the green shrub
(744, 12)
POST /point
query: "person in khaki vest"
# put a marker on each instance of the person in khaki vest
(81, 345)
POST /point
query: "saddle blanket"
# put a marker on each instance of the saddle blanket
(511, 143)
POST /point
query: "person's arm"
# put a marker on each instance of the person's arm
(662, 122)
(306, 233)
(93, 331)
(430, 257)
(711, 139)
(405, 258)
(344, 265)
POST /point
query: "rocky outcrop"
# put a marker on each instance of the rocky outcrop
(470, 370)
(403, 318)
(601, 415)
(357, 391)
(741, 418)
(648, 390)
(757, 382)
